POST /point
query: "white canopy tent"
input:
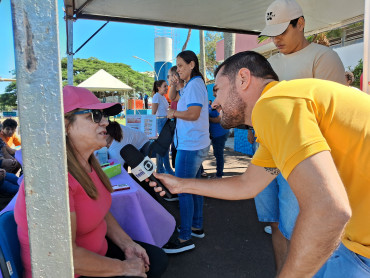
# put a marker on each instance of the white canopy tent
(102, 81)
(233, 16)
(237, 16)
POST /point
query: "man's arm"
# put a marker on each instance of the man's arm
(330, 67)
(324, 212)
(16, 140)
(250, 136)
(245, 186)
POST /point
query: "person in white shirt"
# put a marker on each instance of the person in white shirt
(297, 58)
(192, 143)
(119, 136)
(159, 108)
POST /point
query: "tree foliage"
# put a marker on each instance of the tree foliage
(210, 42)
(357, 71)
(84, 68)
(8, 100)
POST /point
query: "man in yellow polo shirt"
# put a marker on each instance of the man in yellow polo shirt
(317, 134)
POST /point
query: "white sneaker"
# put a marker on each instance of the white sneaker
(268, 230)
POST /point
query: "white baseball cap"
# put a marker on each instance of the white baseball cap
(278, 16)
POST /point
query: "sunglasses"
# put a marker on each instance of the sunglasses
(96, 115)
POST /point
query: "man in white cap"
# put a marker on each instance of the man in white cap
(297, 58)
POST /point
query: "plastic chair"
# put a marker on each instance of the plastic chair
(10, 258)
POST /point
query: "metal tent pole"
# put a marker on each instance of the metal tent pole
(366, 65)
(70, 51)
(36, 41)
(202, 55)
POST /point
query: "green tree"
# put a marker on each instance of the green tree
(84, 68)
(210, 42)
(8, 100)
(357, 71)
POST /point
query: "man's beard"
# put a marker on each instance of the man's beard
(233, 112)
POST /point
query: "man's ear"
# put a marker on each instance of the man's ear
(243, 78)
(301, 23)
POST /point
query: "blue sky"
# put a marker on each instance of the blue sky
(116, 42)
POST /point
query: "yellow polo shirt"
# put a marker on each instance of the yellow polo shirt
(296, 119)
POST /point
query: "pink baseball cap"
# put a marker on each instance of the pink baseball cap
(81, 98)
(278, 16)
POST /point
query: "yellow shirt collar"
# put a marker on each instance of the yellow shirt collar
(269, 86)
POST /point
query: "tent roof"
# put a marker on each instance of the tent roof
(103, 81)
(239, 16)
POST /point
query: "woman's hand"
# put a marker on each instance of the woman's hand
(133, 250)
(171, 182)
(134, 267)
(170, 113)
(174, 81)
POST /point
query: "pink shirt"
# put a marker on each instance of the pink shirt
(91, 226)
(173, 105)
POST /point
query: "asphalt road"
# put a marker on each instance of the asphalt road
(235, 245)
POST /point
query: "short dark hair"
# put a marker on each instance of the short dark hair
(294, 22)
(255, 62)
(114, 130)
(188, 56)
(10, 123)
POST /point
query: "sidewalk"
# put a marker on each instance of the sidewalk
(235, 245)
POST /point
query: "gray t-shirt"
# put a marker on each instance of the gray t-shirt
(313, 61)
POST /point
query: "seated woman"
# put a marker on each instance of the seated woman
(119, 136)
(100, 247)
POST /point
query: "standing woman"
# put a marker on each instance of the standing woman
(192, 143)
(177, 85)
(159, 108)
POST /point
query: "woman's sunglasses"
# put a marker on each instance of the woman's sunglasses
(96, 115)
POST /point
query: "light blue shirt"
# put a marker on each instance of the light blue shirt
(193, 135)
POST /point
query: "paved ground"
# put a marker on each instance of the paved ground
(235, 245)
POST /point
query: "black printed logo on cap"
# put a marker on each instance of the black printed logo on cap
(270, 15)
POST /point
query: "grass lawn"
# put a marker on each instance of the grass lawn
(121, 121)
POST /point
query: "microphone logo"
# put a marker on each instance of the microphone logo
(148, 165)
(144, 169)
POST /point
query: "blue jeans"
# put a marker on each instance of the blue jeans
(191, 206)
(163, 162)
(345, 263)
(218, 144)
(277, 203)
(9, 184)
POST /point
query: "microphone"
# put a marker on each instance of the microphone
(141, 167)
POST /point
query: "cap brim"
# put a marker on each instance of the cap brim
(274, 30)
(111, 109)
